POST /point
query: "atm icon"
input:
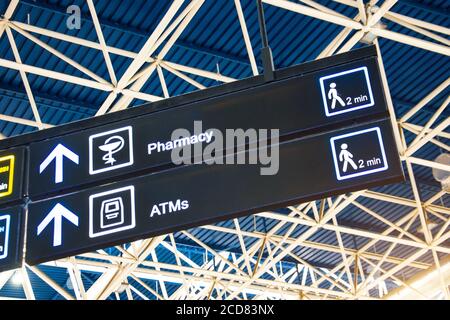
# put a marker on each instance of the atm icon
(112, 213)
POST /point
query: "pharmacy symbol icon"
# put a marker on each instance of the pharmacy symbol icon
(334, 96)
(111, 150)
(111, 211)
(111, 146)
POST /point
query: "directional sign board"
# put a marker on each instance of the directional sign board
(112, 179)
(11, 175)
(193, 195)
(312, 100)
(11, 238)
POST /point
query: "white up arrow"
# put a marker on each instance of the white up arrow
(58, 155)
(56, 214)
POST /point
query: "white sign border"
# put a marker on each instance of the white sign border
(126, 164)
(335, 75)
(335, 158)
(93, 234)
(6, 246)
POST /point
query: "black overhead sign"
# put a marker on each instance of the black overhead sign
(311, 101)
(11, 238)
(111, 179)
(310, 168)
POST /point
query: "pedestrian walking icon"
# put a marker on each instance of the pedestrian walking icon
(345, 156)
(333, 96)
(358, 153)
(346, 91)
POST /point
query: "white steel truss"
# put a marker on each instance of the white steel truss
(259, 269)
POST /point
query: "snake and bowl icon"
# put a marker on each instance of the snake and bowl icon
(111, 146)
(111, 150)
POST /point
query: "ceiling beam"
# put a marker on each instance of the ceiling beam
(427, 282)
(427, 7)
(104, 22)
(43, 99)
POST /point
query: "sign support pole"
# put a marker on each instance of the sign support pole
(266, 52)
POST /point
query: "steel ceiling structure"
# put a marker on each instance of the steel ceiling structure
(385, 243)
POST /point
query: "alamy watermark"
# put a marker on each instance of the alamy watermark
(212, 146)
(74, 19)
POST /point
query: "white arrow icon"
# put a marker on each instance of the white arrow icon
(56, 214)
(58, 155)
